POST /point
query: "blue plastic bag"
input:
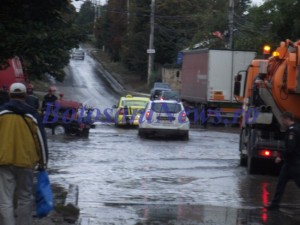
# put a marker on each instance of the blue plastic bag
(43, 194)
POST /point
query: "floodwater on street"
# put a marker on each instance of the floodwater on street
(124, 179)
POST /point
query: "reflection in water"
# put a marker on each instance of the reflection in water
(126, 180)
(203, 215)
(265, 201)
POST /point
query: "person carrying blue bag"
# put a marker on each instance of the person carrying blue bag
(23, 148)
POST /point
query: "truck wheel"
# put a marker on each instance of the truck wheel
(252, 162)
(243, 157)
(250, 165)
(243, 160)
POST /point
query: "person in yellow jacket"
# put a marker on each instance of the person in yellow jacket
(23, 149)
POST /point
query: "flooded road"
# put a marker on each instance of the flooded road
(124, 179)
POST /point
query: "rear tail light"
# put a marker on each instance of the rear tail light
(266, 153)
(81, 126)
(148, 115)
(121, 111)
(183, 117)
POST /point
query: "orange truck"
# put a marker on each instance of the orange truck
(270, 87)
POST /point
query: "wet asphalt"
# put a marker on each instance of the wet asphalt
(124, 179)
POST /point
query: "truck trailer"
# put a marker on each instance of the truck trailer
(272, 86)
(207, 83)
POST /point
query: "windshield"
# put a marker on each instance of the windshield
(131, 103)
(164, 107)
(170, 95)
(162, 85)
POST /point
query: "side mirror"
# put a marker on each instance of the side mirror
(237, 88)
(237, 85)
(238, 77)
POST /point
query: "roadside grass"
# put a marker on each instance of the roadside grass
(131, 81)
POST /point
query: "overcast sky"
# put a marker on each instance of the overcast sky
(77, 4)
(257, 2)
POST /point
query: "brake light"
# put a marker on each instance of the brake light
(148, 115)
(82, 125)
(265, 153)
(121, 111)
(182, 117)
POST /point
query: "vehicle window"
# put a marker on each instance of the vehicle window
(162, 85)
(163, 107)
(170, 95)
(130, 103)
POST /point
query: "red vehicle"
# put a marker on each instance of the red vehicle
(13, 73)
(68, 117)
(8, 75)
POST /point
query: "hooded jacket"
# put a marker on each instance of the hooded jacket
(22, 136)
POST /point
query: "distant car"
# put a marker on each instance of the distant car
(169, 95)
(158, 87)
(78, 53)
(129, 109)
(164, 117)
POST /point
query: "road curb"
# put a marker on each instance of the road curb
(72, 196)
(71, 210)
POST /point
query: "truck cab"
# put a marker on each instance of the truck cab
(271, 88)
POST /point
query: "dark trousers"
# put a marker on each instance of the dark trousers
(288, 172)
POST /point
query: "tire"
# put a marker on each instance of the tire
(252, 162)
(58, 130)
(85, 132)
(252, 165)
(185, 137)
(141, 134)
(243, 158)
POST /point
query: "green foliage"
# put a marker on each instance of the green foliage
(41, 33)
(272, 22)
(180, 24)
(86, 16)
(136, 40)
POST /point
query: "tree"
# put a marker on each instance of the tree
(272, 22)
(180, 24)
(136, 40)
(41, 33)
(86, 16)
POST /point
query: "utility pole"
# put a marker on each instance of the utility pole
(151, 50)
(230, 20)
(128, 13)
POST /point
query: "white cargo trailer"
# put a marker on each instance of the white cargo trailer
(207, 81)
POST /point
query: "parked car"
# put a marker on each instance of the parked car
(164, 117)
(158, 87)
(78, 53)
(67, 117)
(129, 109)
(169, 95)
